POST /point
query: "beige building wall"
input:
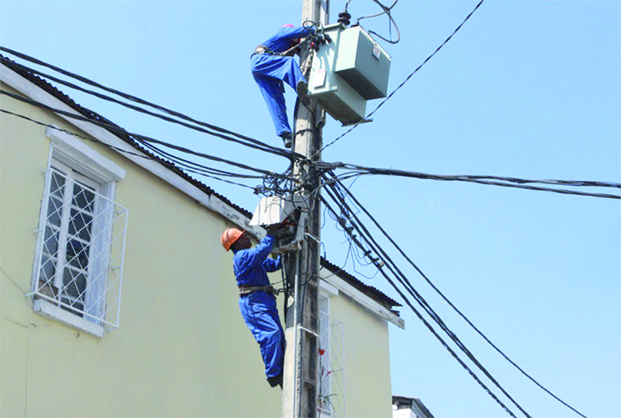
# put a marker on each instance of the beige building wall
(367, 359)
(182, 348)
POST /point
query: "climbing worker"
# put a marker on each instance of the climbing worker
(272, 63)
(257, 298)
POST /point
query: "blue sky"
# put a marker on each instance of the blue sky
(530, 89)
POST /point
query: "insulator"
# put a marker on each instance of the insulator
(344, 18)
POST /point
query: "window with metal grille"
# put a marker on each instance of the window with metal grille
(81, 238)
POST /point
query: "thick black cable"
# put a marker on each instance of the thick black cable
(406, 80)
(272, 150)
(77, 135)
(254, 143)
(487, 180)
(137, 137)
(120, 150)
(405, 173)
(391, 265)
(428, 325)
(196, 167)
(400, 250)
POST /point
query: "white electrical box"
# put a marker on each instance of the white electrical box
(290, 213)
(272, 210)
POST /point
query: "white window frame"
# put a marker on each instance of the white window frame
(334, 406)
(78, 162)
(325, 386)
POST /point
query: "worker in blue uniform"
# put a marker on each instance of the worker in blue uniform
(257, 300)
(271, 66)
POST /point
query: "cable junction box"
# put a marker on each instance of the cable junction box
(290, 212)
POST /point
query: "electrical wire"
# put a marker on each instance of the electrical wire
(426, 323)
(513, 182)
(137, 137)
(405, 173)
(219, 132)
(191, 165)
(350, 249)
(385, 10)
(405, 81)
(365, 234)
(124, 151)
(139, 109)
(350, 195)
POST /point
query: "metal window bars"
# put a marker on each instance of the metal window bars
(80, 249)
(331, 393)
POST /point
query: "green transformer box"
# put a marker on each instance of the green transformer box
(347, 72)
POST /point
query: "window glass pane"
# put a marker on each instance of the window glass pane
(50, 241)
(54, 211)
(80, 225)
(57, 185)
(83, 197)
(48, 269)
(77, 254)
(74, 283)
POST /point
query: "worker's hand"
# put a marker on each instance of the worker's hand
(272, 229)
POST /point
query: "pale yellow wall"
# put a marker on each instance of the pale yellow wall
(366, 357)
(182, 348)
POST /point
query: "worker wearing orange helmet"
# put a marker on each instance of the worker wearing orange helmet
(257, 301)
(272, 64)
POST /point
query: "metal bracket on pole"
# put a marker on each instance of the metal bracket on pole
(301, 328)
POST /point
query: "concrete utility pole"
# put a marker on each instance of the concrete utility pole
(300, 376)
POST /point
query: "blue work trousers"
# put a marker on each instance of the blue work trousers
(269, 71)
(261, 316)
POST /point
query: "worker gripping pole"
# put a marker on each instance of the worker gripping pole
(300, 376)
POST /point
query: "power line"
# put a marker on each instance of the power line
(187, 164)
(400, 250)
(140, 138)
(350, 249)
(198, 170)
(356, 170)
(219, 132)
(404, 173)
(416, 312)
(354, 220)
(386, 10)
(407, 78)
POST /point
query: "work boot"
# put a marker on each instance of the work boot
(275, 381)
(286, 139)
(302, 90)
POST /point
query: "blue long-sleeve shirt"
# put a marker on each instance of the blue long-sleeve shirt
(282, 39)
(252, 265)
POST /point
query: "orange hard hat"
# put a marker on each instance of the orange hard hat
(229, 237)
